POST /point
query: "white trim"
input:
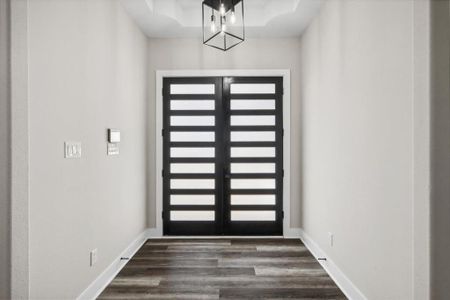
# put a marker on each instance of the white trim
(20, 148)
(343, 282)
(286, 74)
(292, 233)
(102, 281)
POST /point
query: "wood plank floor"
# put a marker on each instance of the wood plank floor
(222, 269)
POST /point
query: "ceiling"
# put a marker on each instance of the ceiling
(182, 18)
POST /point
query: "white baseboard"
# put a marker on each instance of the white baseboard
(100, 283)
(153, 233)
(342, 281)
(292, 233)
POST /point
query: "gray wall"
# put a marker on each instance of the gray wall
(440, 149)
(87, 73)
(357, 88)
(179, 54)
(421, 215)
(5, 170)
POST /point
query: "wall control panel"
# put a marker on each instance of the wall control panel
(113, 142)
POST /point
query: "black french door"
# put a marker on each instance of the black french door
(223, 156)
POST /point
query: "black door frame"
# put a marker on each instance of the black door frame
(222, 160)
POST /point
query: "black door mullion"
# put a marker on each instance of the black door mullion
(166, 157)
(226, 158)
(220, 185)
(279, 149)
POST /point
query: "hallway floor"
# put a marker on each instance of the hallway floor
(222, 269)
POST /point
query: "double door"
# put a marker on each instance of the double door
(223, 156)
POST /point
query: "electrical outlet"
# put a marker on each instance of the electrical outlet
(93, 257)
(331, 238)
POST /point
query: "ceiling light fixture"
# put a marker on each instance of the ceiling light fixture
(230, 17)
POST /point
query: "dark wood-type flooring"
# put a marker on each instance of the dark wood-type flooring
(222, 269)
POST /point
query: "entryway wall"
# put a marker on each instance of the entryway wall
(5, 162)
(190, 54)
(373, 103)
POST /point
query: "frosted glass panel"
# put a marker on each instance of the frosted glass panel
(252, 151)
(257, 184)
(192, 121)
(192, 215)
(252, 104)
(192, 152)
(192, 199)
(252, 88)
(252, 120)
(252, 215)
(252, 136)
(192, 136)
(237, 168)
(192, 168)
(252, 199)
(206, 184)
(192, 89)
(192, 105)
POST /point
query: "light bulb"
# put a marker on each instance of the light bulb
(233, 17)
(223, 25)
(222, 9)
(213, 24)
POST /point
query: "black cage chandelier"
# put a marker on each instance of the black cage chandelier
(223, 23)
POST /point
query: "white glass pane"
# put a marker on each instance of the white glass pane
(192, 152)
(192, 105)
(257, 184)
(252, 136)
(192, 121)
(252, 88)
(192, 89)
(192, 136)
(252, 104)
(237, 168)
(190, 184)
(252, 151)
(252, 120)
(178, 168)
(192, 215)
(192, 199)
(252, 199)
(252, 215)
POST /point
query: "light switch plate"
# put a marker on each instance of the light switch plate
(113, 149)
(72, 149)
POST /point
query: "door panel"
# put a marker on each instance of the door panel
(253, 156)
(193, 188)
(222, 156)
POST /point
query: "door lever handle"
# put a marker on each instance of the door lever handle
(227, 175)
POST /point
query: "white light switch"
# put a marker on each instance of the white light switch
(72, 149)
